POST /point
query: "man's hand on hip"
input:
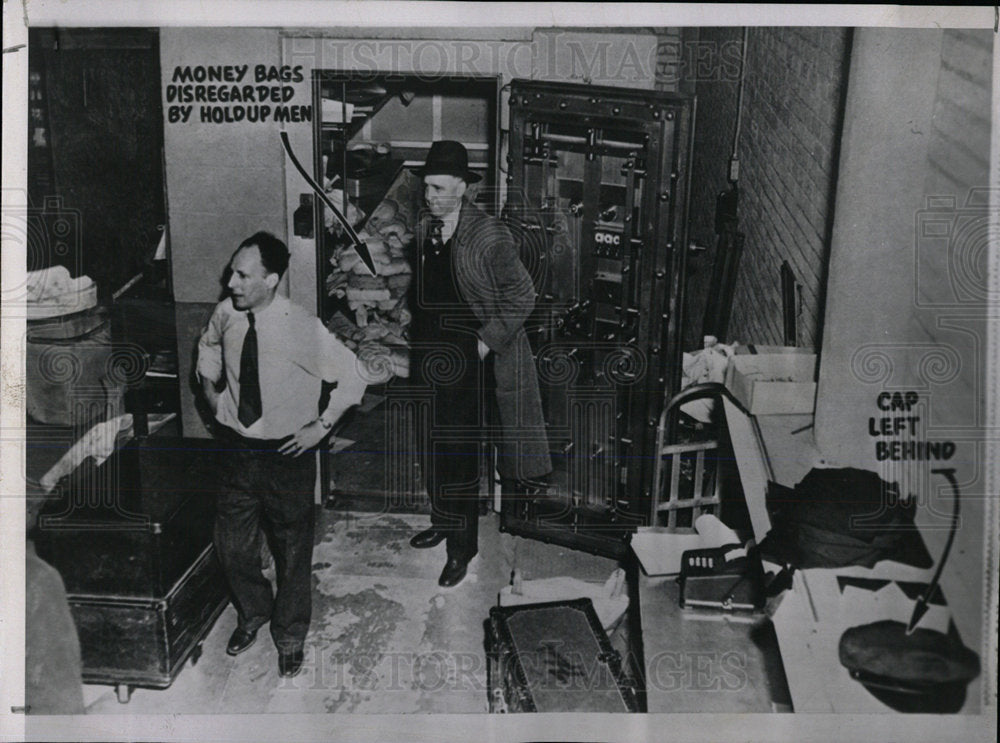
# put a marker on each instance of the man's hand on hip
(304, 439)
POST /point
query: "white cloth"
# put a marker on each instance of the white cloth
(49, 283)
(706, 365)
(98, 442)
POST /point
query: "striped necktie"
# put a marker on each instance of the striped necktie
(437, 242)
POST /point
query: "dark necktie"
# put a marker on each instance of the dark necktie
(250, 408)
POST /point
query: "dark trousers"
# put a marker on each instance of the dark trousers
(453, 487)
(453, 450)
(261, 487)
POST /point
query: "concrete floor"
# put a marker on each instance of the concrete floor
(384, 637)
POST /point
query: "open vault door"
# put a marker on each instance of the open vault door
(597, 192)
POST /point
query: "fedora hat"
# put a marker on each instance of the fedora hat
(447, 157)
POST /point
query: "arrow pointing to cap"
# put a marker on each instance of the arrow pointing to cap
(920, 608)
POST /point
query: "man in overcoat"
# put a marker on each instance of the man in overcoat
(473, 296)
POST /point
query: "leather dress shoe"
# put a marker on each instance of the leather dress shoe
(240, 640)
(427, 538)
(290, 662)
(454, 572)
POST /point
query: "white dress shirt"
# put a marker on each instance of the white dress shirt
(296, 353)
(449, 223)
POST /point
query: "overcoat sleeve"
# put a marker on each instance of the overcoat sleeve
(514, 291)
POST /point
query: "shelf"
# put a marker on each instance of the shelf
(361, 113)
(330, 126)
(666, 627)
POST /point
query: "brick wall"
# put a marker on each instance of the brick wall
(792, 111)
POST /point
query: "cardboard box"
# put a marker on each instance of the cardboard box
(777, 382)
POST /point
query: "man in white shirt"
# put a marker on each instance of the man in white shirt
(274, 357)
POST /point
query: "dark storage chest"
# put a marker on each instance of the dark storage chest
(132, 540)
(144, 642)
(553, 657)
(133, 525)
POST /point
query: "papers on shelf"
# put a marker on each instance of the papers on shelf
(660, 551)
(333, 111)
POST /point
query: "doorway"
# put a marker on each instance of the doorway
(372, 131)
